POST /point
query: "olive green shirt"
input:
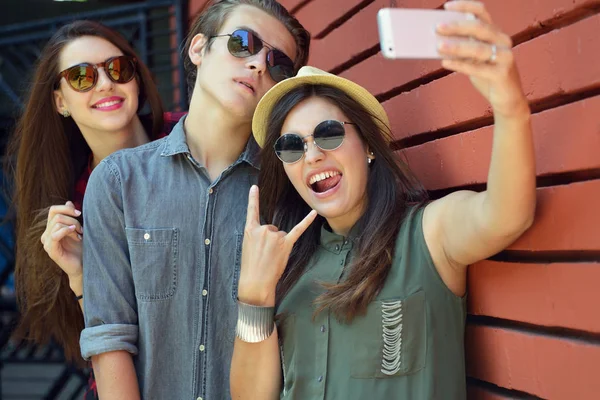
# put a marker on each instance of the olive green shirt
(408, 345)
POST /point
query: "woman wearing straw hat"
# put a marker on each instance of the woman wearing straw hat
(369, 282)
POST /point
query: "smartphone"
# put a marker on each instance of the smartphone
(411, 33)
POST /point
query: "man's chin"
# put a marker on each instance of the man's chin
(240, 110)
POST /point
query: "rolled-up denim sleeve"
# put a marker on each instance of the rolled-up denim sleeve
(110, 308)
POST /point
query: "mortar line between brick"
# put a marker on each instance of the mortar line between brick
(552, 332)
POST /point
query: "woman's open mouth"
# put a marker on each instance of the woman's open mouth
(324, 182)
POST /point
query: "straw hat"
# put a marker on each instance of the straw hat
(314, 76)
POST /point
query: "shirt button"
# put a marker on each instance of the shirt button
(204, 292)
(342, 262)
(320, 379)
(146, 236)
(322, 328)
(210, 191)
(199, 398)
(207, 241)
(345, 242)
(337, 247)
(202, 347)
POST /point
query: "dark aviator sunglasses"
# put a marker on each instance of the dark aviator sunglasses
(243, 43)
(84, 77)
(328, 135)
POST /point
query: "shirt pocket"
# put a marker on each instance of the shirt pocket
(153, 254)
(239, 239)
(391, 339)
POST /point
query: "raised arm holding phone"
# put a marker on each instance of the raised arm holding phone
(369, 295)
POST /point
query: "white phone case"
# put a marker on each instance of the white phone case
(410, 33)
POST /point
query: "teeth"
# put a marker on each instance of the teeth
(323, 175)
(108, 104)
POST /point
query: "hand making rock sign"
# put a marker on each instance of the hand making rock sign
(265, 254)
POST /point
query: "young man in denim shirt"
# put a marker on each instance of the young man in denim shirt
(164, 221)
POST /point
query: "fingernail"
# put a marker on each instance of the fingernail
(72, 227)
(77, 212)
(80, 237)
(442, 26)
(253, 188)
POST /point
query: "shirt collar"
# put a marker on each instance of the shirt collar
(336, 243)
(176, 143)
(251, 153)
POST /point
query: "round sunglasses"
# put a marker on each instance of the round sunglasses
(243, 43)
(328, 135)
(84, 77)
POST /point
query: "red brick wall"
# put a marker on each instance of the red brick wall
(534, 311)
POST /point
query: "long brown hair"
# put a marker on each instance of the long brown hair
(390, 188)
(213, 16)
(51, 154)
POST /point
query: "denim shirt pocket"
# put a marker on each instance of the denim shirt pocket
(153, 254)
(391, 339)
(239, 239)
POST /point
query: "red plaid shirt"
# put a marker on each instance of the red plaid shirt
(170, 120)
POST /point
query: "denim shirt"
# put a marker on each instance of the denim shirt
(162, 250)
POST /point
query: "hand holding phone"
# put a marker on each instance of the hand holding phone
(411, 33)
